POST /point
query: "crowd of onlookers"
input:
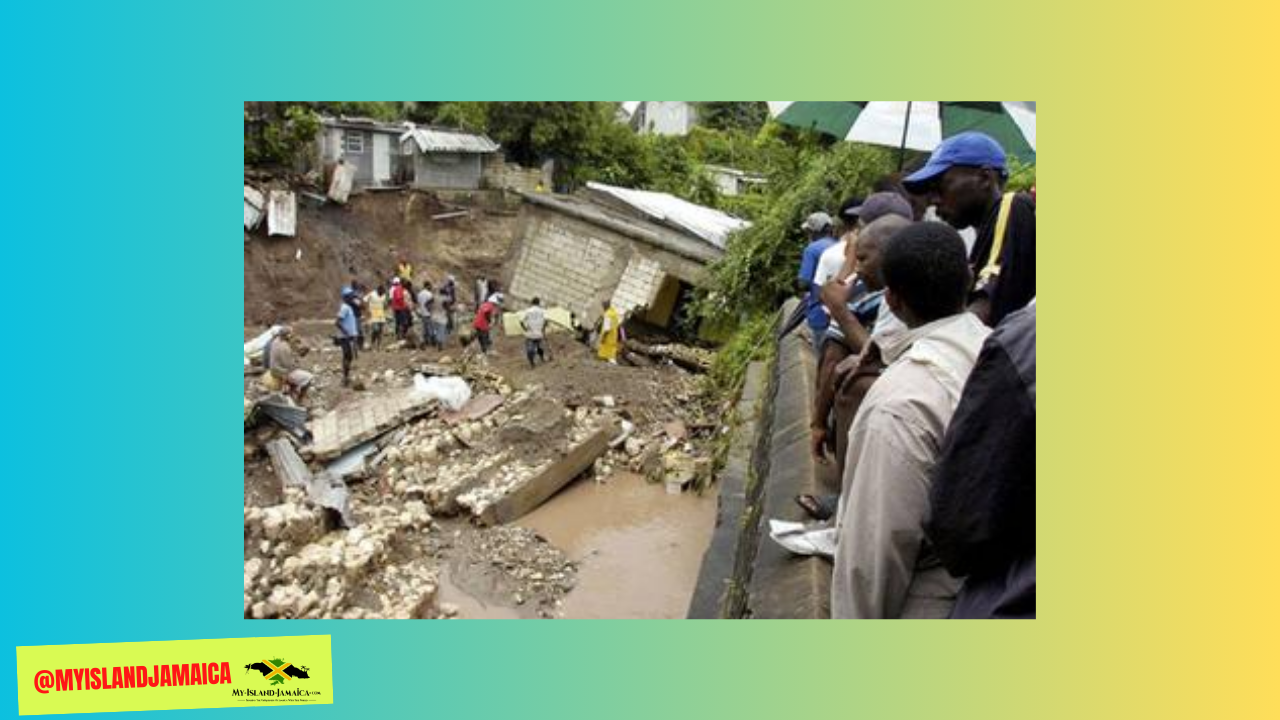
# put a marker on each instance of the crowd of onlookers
(919, 300)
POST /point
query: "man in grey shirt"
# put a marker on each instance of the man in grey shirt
(534, 323)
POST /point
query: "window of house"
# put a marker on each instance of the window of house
(353, 142)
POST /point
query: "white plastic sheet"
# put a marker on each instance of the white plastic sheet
(452, 392)
(804, 539)
(253, 349)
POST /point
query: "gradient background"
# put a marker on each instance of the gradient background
(1159, 500)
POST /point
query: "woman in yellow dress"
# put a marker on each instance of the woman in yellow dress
(609, 327)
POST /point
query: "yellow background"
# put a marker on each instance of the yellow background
(311, 651)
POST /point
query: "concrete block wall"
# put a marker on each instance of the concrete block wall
(575, 264)
(639, 284)
(568, 263)
(502, 175)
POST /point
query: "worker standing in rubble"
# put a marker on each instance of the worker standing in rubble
(347, 333)
(486, 316)
(400, 308)
(376, 301)
(439, 320)
(426, 302)
(450, 292)
(352, 295)
(534, 323)
(610, 327)
(404, 270)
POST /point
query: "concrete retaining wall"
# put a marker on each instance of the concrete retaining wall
(744, 573)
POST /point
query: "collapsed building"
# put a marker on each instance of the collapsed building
(644, 251)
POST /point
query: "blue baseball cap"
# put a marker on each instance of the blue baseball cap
(968, 149)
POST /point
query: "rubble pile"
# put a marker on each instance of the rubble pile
(294, 569)
(535, 570)
(489, 461)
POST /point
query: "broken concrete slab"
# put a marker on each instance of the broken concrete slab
(476, 408)
(539, 488)
(254, 207)
(282, 213)
(355, 422)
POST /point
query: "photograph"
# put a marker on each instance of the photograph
(639, 360)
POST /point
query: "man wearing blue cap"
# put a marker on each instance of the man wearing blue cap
(964, 179)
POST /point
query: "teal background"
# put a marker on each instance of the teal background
(126, 292)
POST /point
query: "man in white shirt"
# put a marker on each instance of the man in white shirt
(884, 566)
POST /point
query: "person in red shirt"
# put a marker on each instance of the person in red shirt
(485, 317)
(400, 308)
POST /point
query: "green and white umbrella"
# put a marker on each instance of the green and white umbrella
(918, 125)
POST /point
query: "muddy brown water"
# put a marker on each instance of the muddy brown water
(638, 550)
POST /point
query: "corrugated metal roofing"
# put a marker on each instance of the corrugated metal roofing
(429, 140)
(709, 224)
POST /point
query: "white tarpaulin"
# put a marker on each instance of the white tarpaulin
(254, 204)
(282, 213)
(253, 349)
(344, 176)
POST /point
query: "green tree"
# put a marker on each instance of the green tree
(279, 134)
(759, 267)
(745, 116)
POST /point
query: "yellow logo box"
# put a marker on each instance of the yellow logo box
(175, 675)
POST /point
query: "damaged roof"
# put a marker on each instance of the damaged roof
(434, 140)
(707, 223)
(364, 123)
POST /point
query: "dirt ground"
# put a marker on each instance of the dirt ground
(287, 278)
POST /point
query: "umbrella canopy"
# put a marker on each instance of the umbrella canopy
(918, 125)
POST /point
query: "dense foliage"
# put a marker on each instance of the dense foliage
(758, 270)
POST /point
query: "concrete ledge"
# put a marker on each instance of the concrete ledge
(744, 574)
(716, 594)
(783, 585)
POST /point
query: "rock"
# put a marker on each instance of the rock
(448, 609)
(605, 401)
(633, 446)
(676, 430)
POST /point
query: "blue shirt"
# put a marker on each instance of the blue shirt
(813, 311)
(865, 309)
(347, 320)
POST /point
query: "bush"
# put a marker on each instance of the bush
(1022, 176)
(758, 270)
(283, 138)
